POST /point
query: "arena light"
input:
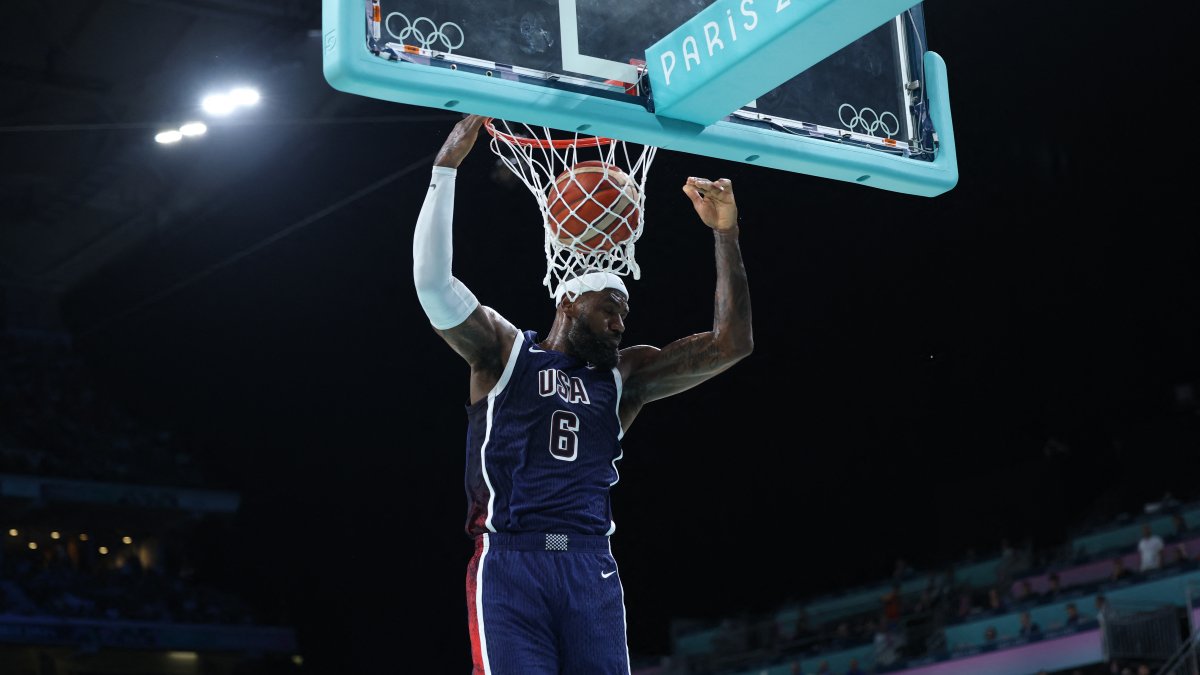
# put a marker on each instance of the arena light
(244, 96)
(183, 656)
(33, 546)
(55, 535)
(172, 136)
(13, 532)
(218, 104)
(83, 536)
(126, 540)
(103, 550)
(223, 104)
(193, 129)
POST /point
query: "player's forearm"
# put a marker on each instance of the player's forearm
(732, 325)
(446, 301)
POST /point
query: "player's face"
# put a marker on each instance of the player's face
(595, 336)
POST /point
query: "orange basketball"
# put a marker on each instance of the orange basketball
(593, 205)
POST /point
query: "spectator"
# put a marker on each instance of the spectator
(989, 636)
(965, 605)
(1150, 547)
(1054, 589)
(823, 669)
(1119, 570)
(886, 645)
(865, 630)
(841, 636)
(854, 669)
(1026, 594)
(1073, 618)
(1179, 523)
(996, 602)
(1029, 627)
(1181, 554)
(891, 605)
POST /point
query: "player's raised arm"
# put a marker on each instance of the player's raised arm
(650, 373)
(477, 333)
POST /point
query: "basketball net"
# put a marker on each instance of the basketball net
(539, 160)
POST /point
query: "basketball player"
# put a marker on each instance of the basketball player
(545, 422)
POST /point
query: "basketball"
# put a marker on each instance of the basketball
(593, 206)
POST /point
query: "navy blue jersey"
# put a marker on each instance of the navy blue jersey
(543, 446)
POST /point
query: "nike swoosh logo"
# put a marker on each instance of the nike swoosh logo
(535, 350)
(607, 574)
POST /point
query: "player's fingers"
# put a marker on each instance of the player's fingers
(692, 193)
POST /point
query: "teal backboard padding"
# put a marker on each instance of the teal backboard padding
(734, 51)
(504, 91)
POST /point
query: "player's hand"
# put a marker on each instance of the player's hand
(459, 142)
(713, 201)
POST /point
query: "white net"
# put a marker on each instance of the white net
(591, 192)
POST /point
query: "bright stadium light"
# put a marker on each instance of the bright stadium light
(218, 104)
(126, 540)
(83, 536)
(13, 532)
(244, 96)
(193, 129)
(55, 534)
(103, 550)
(33, 546)
(171, 136)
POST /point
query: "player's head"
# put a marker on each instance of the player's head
(594, 305)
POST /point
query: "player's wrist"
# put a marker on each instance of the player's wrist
(726, 232)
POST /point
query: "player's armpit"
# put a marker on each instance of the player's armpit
(484, 341)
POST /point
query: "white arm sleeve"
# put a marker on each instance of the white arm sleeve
(446, 301)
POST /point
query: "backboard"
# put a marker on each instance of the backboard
(874, 111)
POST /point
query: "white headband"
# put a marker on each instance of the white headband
(592, 281)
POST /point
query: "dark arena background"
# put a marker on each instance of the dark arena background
(231, 444)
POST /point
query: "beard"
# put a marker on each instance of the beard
(591, 347)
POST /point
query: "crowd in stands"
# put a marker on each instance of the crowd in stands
(68, 581)
(55, 421)
(904, 626)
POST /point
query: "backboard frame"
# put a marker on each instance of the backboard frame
(444, 80)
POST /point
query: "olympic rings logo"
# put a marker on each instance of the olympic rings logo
(858, 118)
(425, 32)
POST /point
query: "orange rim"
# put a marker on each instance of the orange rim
(589, 142)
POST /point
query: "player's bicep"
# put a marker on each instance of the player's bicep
(657, 373)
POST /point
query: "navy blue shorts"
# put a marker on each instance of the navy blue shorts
(546, 604)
